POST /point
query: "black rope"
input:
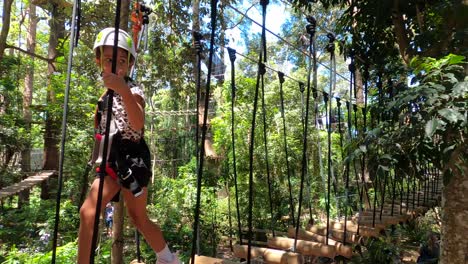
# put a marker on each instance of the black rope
(328, 114)
(64, 136)
(265, 141)
(197, 38)
(309, 194)
(346, 179)
(260, 74)
(102, 167)
(229, 202)
(311, 29)
(137, 239)
(204, 128)
(288, 167)
(232, 57)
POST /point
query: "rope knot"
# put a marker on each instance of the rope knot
(311, 27)
(331, 40)
(301, 87)
(325, 97)
(261, 68)
(197, 37)
(264, 3)
(232, 54)
(281, 77)
(338, 102)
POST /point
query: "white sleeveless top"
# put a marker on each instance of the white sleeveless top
(121, 118)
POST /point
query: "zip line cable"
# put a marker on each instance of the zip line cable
(315, 90)
(284, 40)
(64, 132)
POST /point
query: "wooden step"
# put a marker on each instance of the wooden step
(268, 255)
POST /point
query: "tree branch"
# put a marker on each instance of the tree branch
(7, 46)
(400, 32)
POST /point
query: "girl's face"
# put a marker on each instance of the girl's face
(123, 65)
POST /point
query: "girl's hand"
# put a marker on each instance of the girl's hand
(115, 82)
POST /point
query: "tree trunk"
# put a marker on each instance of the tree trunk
(119, 213)
(454, 219)
(27, 97)
(52, 123)
(5, 25)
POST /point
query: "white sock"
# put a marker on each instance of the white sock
(165, 254)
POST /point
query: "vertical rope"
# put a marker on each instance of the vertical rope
(311, 29)
(288, 168)
(204, 128)
(328, 113)
(232, 58)
(64, 133)
(267, 160)
(102, 167)
(260, 74)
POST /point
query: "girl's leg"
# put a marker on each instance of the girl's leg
(136, 208)
(87, 214)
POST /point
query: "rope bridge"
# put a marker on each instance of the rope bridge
(25, 184)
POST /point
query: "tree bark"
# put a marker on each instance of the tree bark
(5, 25)
(27, 96)
(454, 219)
(52, 123)
(454, 233)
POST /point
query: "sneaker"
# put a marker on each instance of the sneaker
(175, 260)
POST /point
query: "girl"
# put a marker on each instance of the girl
(129, 158)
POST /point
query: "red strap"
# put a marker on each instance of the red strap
(109, 171)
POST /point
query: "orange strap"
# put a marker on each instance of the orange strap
(137, 19)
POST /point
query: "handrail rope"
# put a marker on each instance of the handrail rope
(64, 132)
(102, 167)
(261, 72)
(288, 168)
(204, 128)
(267, 160)
(232, 58)
(311, 29)
(284, 40)
(271, 69)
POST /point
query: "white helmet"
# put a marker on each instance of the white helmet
(106, 38)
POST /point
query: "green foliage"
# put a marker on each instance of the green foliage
(383, 250)
(431, 121)
(65, 254)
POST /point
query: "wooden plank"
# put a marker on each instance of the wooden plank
(268, 255)
(340, 248)
(351, 226)
(210, 260)
(25, 184)
(306, 248)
